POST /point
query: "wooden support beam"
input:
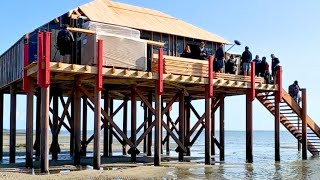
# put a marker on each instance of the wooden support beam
(106, 124)
(115, 126)
(13, 121)
(110, 127)
(249, 156)
(168, 139)
(38, 128)
(161, 130)
(125, 125)
(221, 130)
(304, 124)
(207, 125)
(29, 124)
(44, 118)
(77, 124)
(158, 121)
(65, 112)
(213, 150)
(84, 125)
(173, 127)
(181, 123)
(133, 122)
(71, 145)
(55, 149)
(97, 120)
(149, 137)
(277, 128)
(188, 121)
(1, 124)
(145, 116)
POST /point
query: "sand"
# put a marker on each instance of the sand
(142, 172)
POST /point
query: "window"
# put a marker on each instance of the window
(209, 48)
(157, 38)
(165, 39)
(180, 45)
(145, 35)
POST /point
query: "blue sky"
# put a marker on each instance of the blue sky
(289, 29)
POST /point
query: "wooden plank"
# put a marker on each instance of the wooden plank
(77, 124)
(84, 125)
(13, 120)
(29, 124)
(44, 141)
(97, 116)
(1, 124)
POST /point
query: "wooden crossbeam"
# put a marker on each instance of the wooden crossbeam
(145, 101)
(119, 108)
(174, 127)
(63, 123)
(68, 115)
(174, 137)
(196, 136)
(145, 133)
(217, 142)
(65, 112)
(109, 119)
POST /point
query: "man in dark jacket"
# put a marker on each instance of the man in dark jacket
(257, 62)
(201, 52)
(246, 60)
(274, 67)
(219, 61)
(64, 43)
(294, 91)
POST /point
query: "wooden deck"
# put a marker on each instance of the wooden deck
(118, 80)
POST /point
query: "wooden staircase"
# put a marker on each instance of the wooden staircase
(290, 113)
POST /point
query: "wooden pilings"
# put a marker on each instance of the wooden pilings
(181, 123)
(1, 124)
(249, 156)
(110, 127)
(304, 124)
(125, 124)
(44, 141)
(221, 130)
(207, 127)
(97, 120)
(277, 128)
(36, 146)
(157, 143)
(13, 119)
(168, 139)
(145, 116)
(77, 124)
(213, 151)
(106, 124)
(84, 125)
(133, 122)
(149, 137)
(187, 122)
(55, 145)
(29, 125)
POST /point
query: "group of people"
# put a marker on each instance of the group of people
(230, 65)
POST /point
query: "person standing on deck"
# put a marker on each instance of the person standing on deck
(257, 62)
(246, 60)
(265, 73)
(274, 67)
(294, 91)
(202, 52)
(219, 60)
(64, 44)
(187, 52)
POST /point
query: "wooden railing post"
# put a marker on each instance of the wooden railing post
(304, 123)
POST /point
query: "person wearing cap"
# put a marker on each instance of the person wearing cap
(294, 91)
(246, 60)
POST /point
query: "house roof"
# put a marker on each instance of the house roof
(106, 11)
